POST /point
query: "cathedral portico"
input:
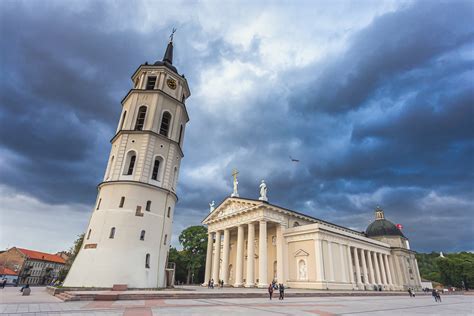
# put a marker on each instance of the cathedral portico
(268, 243)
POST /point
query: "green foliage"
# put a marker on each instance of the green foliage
(452, 270)
(177, 257)
(191, 260)
(193, 256)
(72, 252)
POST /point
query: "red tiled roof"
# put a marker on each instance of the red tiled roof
(7, 271)
(36, 255)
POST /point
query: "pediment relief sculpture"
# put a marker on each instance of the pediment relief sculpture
(301, 253)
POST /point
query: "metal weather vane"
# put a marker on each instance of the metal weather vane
(172, 34)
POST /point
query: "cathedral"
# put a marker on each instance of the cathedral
(129, 232)
(252, 243)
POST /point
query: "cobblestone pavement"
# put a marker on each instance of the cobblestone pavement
(41, 303)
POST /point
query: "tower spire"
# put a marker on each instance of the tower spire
(169, 49)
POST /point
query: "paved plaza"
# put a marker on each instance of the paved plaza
(40, 303)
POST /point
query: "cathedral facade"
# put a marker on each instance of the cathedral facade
(129, 232)
(252, 243)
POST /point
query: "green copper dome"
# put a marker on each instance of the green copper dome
(382, 227)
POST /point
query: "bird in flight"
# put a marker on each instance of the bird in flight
(294, 160)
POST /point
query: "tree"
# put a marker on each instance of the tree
(177, 257)
(194, 242)
(72, 252)
(455, 269)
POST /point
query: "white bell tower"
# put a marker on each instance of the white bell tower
(129, 233)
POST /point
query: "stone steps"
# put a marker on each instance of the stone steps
(130, 296)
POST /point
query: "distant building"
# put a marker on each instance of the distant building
(33, 267)
(64, 254)
(426, 284)
(9, 274)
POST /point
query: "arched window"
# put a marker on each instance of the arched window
(148, 206)
(165, 240)
(142, 235)
(180, 134)
(140, 118)
(169, 211)
(89, 233)
(130, 163)
(147, 261)
(112, 233)
(156, 169)
(165, 123)
(124, 115)
(98, 204)
(122, 201)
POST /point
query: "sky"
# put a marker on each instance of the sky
(374, 98)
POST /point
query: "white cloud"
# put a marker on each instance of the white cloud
(28, 223)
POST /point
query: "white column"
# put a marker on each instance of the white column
(225, 257)
(396, 269)
(217, 253)
(207, 273)
(387, 266)
(239, 256)
(377, 268)
(279, 253)
(357, 265)
(382, 269)
(318, 251)
(371, 267)
(249, 282)
(330, 262)
(262, 255)
(343, 264)
(349, 259)
(364, 266)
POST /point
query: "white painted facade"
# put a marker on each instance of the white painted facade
(301, 251)
(128, 236)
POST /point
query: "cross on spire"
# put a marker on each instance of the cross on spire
(172, 34)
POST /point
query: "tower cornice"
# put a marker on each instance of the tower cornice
(115, 182)
(129, 131)
(125, 98)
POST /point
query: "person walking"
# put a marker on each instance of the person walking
(438, 296)
(281, 288)
(209, 284)
(212, 283)
(3, 283)
(409, 292)
(435, 295)
(270, 291)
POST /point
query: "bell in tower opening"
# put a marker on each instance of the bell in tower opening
(129, 232)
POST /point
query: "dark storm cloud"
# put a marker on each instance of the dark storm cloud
(63, 77)
(388, 121)
(394, 43)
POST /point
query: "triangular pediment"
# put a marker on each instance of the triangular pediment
(301, 253)
(230, 207)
